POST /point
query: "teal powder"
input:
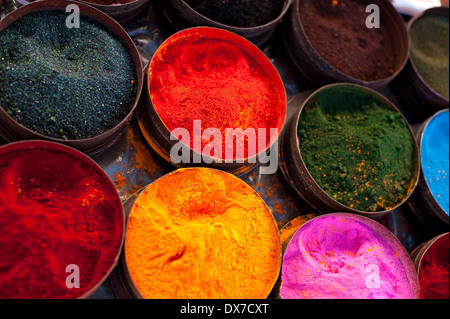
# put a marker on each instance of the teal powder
(435, 152)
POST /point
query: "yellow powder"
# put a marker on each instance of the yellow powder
(202, 234)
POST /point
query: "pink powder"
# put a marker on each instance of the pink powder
(334, 257)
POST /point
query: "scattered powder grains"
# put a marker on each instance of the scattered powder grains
(328, 258)
(433, 272)
(362, 155)
(430, 51)
(337, 31)
(196, 75)
(201, 233)
(239, 13)
(65, 83)
(435, 158)
(55, 211)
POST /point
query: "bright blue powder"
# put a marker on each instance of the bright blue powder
(435, 152)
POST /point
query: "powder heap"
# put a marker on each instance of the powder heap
(337, 257)
(433, 272)
(239, 13)
(55, 211)
(195, 76)
(435, 158)
(337, 31)
(202, 234)
(65, 83)
(430, 51)
(361, 154)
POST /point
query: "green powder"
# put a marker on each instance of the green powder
(429, 51)
(362, 155)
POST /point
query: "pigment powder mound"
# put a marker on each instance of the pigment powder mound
(65, 83)
(360, 152)
(203, 74)
(338, 257)
(435, 158)
(202, 234)
(55, 211)
(337, 30)
(239, 13)
(433, 272)
(429, 37)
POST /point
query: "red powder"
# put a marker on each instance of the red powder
(434, 274)
(217, 82)
(55, 211)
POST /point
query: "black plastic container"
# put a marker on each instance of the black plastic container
(182, 16)
(319, 72)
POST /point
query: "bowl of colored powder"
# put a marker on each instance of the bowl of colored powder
(62, 224)
(213, 98)
(430, 202)
(346, 256)
(123, 11)
(200, 233)
(424, 83)
(350, 150)
(255, 20)
(339, 41)
(75, 86)
(431, 261)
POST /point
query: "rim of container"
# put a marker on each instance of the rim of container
(279, 256)
(442, 11)
(287, 5)
(57, 5)
(422, 131)
(387, 236)
(388, 104)
(277, 78)
(52, 146)
(401, 65)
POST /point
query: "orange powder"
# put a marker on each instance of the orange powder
(202, 234)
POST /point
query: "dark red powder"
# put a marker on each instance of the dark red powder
(217, 82)
(54, 211)
(337, 31)
(434, 272)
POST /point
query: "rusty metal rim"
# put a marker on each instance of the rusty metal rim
(36, 144)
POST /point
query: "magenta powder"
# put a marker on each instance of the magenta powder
(334, 257)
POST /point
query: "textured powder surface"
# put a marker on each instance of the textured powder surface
(200, 233)
(435, 158)
(65, 83)
(430, 51)
(334, 258)
(362, 155)
(55, 211)
(217, 82)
